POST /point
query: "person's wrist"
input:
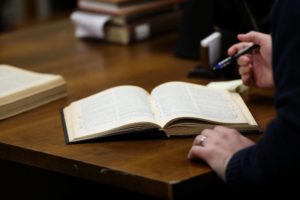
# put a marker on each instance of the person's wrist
(223, 175)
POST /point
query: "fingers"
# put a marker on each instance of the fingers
(246, 73)
(222, 129)
(248, 79)
(225, 131)
(237, 47)
(199, 148)
(196, 152)
(208, 132)
(246, 40)
(211, 134)
(245, 70)
(252, 36)
(213, 138)
(244, 60)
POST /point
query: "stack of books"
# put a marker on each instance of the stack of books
(126, 21)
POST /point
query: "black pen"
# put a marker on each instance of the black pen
(233, 58)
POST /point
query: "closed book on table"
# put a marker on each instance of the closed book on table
(143, 28)
(126, 19)
(121, 8)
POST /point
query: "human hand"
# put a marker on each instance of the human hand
(256, 67)
(217, 147)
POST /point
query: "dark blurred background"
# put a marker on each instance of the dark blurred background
(230, 17)
(200, 18)
(17, 14)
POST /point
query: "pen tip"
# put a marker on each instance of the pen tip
(215, 67)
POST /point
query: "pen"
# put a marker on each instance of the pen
(233, 58)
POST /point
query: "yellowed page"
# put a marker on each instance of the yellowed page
(103, 112)
(244, 109)
(17, 83)
(185, 100)
(232, 86)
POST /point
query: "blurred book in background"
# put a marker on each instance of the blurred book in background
(123, 7)
(125, 21)
(143, 28)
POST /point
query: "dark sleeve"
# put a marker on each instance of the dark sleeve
(275, 159)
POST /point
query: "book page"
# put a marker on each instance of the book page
(186, 100)
(18, 83)
(232, 86)
(13, 79)
(112, 108)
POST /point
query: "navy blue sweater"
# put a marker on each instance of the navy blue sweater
(274, 161)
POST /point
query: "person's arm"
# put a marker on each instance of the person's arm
(275, 159)
(255, 70)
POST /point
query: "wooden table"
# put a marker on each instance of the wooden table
(149, 165)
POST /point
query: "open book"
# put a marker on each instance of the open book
(22, 90)
(177, 108)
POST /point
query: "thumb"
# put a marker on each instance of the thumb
(252, 36)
